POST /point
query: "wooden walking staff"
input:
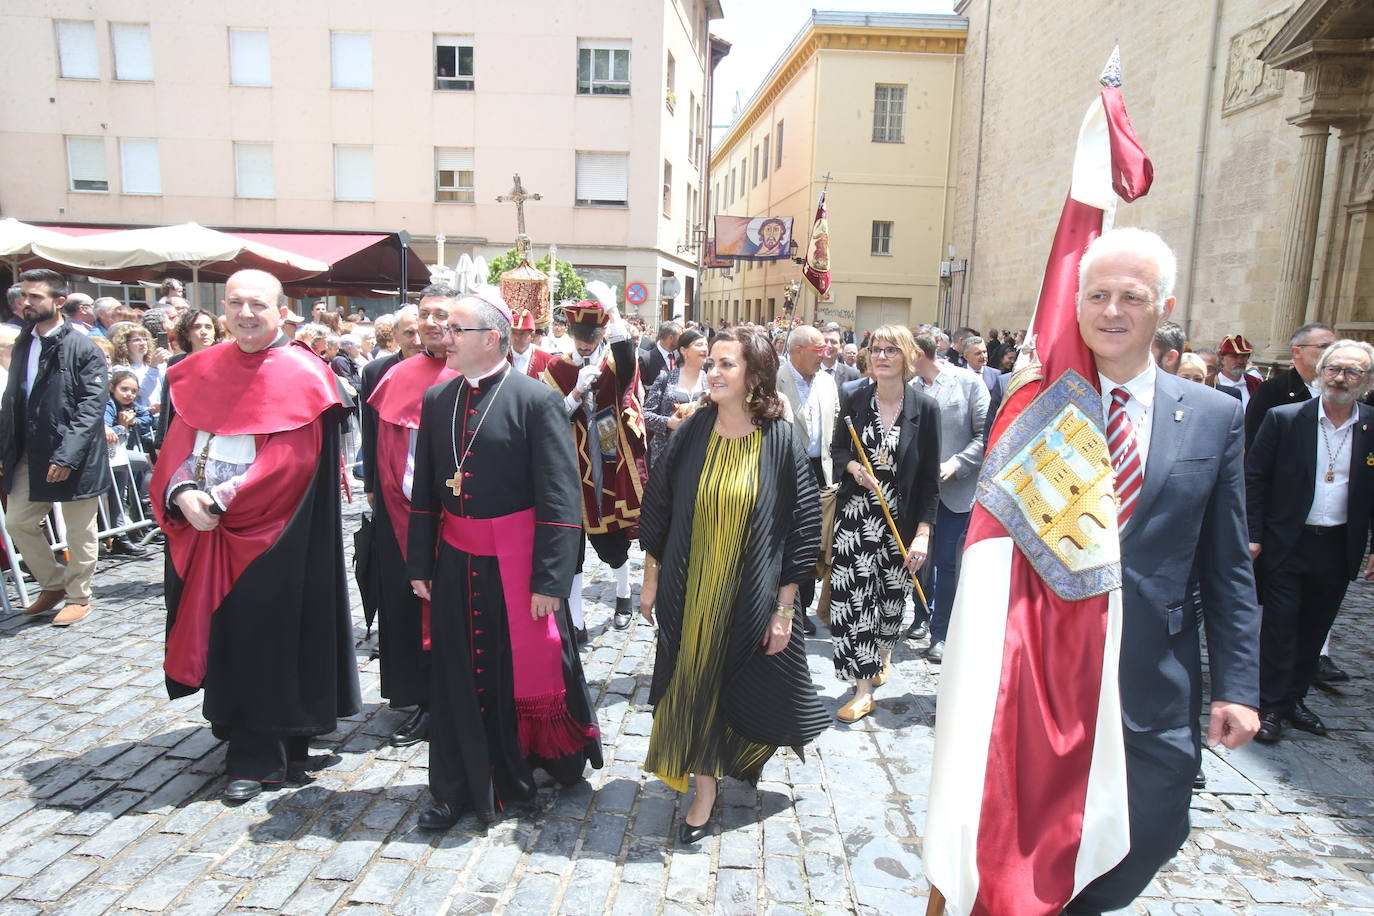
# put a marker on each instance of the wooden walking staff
(887, 513)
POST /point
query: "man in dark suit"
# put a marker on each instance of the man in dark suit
(1185, 532)
(1294, 386)
(1310, 493)
(1298, 384)
(662, 355)
(831, 364)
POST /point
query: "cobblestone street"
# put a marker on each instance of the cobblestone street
(110, 800)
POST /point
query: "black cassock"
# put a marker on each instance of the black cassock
(521, 458)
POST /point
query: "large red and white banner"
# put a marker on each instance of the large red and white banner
(1028, 790)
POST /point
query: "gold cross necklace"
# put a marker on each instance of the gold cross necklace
(455, 483)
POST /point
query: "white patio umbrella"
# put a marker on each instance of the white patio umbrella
(18, 238)
(136, 254)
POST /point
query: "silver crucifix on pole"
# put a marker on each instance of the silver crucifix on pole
(518, 195)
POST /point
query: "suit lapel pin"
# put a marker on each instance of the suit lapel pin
(1369, 459)
(1178, 416)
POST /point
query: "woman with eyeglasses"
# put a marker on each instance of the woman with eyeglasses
(730, 524)
(869, 581)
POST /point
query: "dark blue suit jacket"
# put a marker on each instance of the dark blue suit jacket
(1188, 529)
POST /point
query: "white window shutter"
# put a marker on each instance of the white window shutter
(250, 57)
(133, 51)
(353, 173)
(455, 160)
(351, 60)
(603, 176)
(253, 176)
(76, 50)
(140, 167)
(86, 164)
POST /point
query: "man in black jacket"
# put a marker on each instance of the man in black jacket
(1309, 483)
(1297, 384)
(52, 444)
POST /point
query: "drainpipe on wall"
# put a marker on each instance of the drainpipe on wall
(969, 268)
(1204, 134)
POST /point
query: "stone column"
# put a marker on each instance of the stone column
(1299, 242)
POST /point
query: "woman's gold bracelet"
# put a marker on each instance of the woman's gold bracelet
(785, 611)
(651, 564)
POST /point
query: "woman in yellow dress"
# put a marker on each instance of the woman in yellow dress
(729, 524)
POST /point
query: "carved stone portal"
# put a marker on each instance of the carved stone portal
(1250, 81)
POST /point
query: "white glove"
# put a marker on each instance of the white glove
(586, 378)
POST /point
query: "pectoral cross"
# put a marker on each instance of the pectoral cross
(518, 195)
(455, 483)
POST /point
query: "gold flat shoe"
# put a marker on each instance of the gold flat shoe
(855, 710)
(881, 679)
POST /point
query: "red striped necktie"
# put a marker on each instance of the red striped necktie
(1125, 456)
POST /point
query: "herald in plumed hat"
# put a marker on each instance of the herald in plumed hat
(1235, 345)
(591, 313)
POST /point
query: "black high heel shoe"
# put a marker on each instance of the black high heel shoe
(687, 834)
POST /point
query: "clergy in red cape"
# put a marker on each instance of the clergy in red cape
(247, 492)
(394, 404)
(599, 382)
(495, 524)
(524, 355)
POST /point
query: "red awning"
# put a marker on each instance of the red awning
(360, 263)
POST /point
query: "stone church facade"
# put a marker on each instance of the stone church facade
(1258, 116)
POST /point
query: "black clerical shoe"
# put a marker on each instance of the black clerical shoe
(919, 629)
(623, 614)
(439, 817)
(413, 730)
(1271, 728)
(240, 790)
(808, 625)
(1327, 672)
(580, 635)
(1304, 719)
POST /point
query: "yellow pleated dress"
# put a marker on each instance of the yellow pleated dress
(690, 734)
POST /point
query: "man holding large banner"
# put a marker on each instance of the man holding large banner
(1111, 494)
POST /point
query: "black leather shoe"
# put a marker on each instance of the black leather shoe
(412, 730)
(623, 614)
(1304, 719)
(1328, 673)
(240, 790)
(580, 636)
(688, 834)
(439, 817)
(808, 627)
(122, 546)
(936, 653)
(919, 629)
(1200, 780)
(1271, 728)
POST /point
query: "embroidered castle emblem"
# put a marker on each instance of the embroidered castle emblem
(1048, 480)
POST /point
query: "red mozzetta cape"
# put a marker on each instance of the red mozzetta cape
(397, 399)
(278, 396)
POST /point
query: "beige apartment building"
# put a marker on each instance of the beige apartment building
(1258, 116)
(872, 100)
(353, 115)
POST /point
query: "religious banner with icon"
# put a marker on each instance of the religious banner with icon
(754, 238)
(817, 269)
(712, 259)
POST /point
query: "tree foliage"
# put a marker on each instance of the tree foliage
(570, 285)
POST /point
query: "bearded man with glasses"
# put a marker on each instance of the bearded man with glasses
(1309, 481)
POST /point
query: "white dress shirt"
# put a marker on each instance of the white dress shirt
(35, 348)
(806, 393)
(1139, 408)
(1330, 500)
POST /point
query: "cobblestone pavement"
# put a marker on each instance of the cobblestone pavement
(109, 800)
